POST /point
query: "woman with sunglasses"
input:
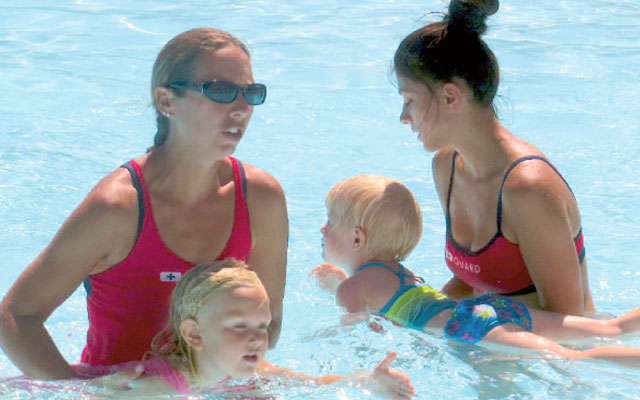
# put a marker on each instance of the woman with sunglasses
(513, 224)
(186, 201)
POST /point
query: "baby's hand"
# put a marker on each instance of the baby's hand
(389, 383)
(329, 276)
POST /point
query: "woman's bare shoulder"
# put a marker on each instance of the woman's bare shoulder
(115, 191)
(441, 163)
(259, 179)
(441, 168)
(442, 158)
(535, 179)
(263, 188)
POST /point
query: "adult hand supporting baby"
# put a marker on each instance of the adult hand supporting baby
(120, 380)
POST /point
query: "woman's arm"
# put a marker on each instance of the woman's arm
(457, 289)
(95, 235)
(540, 214)
(269, 235)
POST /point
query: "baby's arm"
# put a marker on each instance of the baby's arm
(347, 291)
(329, 276)
(384, 381)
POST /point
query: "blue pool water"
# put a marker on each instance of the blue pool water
(75, 106)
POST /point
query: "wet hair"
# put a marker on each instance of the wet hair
(195, 288)
(384, 208)
(177, 62)
(453, 48)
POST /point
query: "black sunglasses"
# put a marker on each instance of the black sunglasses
(226, 92)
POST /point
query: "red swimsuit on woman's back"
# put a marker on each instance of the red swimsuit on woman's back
(498, 266)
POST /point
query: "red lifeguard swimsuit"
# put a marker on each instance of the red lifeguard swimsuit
(498, 266)
(129, 303)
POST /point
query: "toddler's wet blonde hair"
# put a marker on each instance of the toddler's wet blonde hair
(194, 289)
(383, 208)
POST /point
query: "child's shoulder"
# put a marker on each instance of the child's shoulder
(367, 290)
(351, 293)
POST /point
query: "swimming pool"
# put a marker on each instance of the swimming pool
(75, 90)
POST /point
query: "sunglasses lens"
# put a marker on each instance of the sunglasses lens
(226, 92)
(221, 92)
(255, 94)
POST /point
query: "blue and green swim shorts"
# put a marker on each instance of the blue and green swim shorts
(473, 318)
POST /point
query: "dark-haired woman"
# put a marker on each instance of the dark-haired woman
(185, 202)
(513, 224)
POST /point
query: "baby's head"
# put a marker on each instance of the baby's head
(215, 307)
(383, 208)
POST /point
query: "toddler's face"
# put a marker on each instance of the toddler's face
(233, 327)
(335, 241)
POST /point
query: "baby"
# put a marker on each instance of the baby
(217, 332)
(375, 222)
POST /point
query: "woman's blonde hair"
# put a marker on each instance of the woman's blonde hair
(384, 208)
(177, 62)
(194, 289)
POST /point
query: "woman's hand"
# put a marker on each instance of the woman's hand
(120, 380)
(457, 289)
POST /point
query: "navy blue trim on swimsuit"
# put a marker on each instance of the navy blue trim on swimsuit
(87, 286)
(526, 290)
(583, 253)
(136, 184)
(243, 178)
(453, 170)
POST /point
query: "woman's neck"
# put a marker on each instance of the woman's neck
(166, 172)
(483, 145)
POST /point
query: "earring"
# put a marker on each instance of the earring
(166, 114)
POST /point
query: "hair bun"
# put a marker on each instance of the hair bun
(471, 15)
